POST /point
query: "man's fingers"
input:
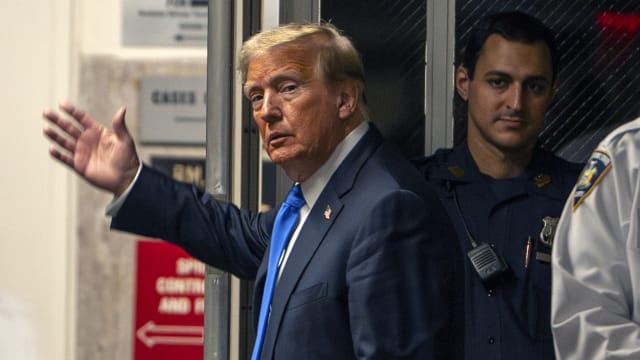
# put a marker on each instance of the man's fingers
(51, 116)
(63, 158)
(62, 141)
(81, 116)
(67, 126)
(70, 109)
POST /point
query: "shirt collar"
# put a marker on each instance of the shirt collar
(314, 185)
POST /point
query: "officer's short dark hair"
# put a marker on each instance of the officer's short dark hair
(513, 26)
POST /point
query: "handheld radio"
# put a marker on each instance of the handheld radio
(487, 264)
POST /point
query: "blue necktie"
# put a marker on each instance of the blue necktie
(286, 221)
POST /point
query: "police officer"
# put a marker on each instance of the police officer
(503, 192)
(596, 257)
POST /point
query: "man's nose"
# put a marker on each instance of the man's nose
(271, 107)
(514, 101)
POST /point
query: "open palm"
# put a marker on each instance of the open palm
(105, 158)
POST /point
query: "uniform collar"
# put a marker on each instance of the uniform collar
(540, 176)
(458, 167)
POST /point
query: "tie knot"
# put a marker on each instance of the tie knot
(294, 197)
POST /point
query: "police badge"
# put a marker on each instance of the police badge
(545, 240)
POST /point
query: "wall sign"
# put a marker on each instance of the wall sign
(191, 170)
(173, 110)
(165, 23)
(169, 319)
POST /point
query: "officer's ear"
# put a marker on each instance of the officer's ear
(462, 82)
(554, 88)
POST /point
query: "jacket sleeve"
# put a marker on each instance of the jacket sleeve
(215, 232)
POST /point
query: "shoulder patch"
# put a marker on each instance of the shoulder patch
(595, 169)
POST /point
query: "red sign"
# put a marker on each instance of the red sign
(169, 303)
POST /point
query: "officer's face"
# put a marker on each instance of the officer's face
(296, 110)
(509, 94)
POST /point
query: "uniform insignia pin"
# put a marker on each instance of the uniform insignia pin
(327, 212)
(542, 180)
(456, 171)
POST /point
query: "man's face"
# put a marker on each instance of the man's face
(508, 95)
(295, 109)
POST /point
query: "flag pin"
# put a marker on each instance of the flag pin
(327, 212)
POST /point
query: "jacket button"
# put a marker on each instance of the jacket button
(491, 340)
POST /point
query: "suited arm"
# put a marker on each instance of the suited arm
(400, 276)
(217, 233)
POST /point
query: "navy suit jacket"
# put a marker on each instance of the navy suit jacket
(373, 278)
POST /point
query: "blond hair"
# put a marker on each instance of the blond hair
(338, 59)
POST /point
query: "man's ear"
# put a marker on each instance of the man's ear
(554, 88)
(348, 97)
(462, 82)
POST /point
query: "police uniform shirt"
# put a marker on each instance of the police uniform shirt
(508, 318)
(596, 255)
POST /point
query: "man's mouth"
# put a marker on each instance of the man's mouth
(275, 138)
(513, 120)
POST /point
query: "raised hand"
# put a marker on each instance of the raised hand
(105, 158)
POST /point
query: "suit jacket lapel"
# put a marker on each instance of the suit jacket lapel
(315, 230)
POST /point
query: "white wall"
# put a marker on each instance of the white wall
(36, 241)
(42, 44)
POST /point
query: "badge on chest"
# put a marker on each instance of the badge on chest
(544, 243)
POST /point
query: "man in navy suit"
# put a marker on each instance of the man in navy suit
(370, 270)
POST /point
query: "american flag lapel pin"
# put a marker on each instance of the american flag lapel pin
(327, 212)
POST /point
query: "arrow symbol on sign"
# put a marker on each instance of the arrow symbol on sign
(152, 334)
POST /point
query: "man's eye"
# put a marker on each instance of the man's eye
(497, 83)
(289, 88)
(537, 88)
(256, 101)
